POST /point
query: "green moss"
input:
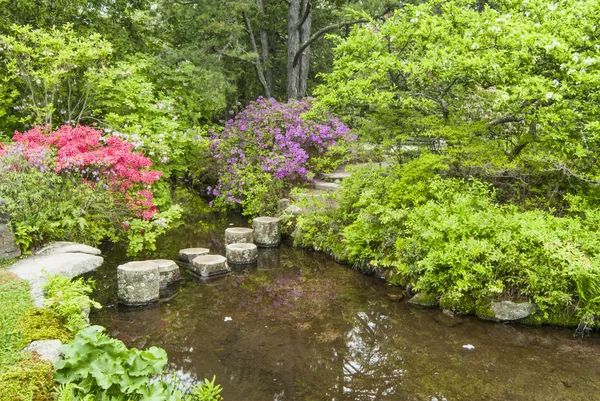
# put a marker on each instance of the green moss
(29, 380)
(464, 306)
(42, 324)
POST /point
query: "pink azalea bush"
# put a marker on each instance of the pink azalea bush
(269, 147)
(77, 183)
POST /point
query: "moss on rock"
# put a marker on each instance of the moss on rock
(424, 299)
(42, 324)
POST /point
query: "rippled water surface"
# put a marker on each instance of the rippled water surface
(305, 328)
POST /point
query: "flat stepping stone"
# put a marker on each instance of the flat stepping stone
(267, 232)
(241, 253)
(237, 235)
(325, 186)
(340, 175)
(138, 283)
(210, 265)
(188, 254)
(35, 269)
(168, 271)
(59, 247)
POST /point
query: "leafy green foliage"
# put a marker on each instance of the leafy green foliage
(507, 89)
(69, 300)
(100, 365)
(52, 71)
(97, 367)
(452, 239)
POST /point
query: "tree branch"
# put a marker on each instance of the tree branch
(257, 63)
(317, 35)
(305, 15)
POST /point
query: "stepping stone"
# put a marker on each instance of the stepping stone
(138, 283)
(188, 254)
(267, 232)
(168, 271)
(241, 253)
(59, 247)
(210, 265)
(35, 269)
(325, 186)
(238, 235)
(335, 176)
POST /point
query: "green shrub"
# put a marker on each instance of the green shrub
(69, 300)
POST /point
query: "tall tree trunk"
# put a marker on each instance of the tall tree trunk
(305, 56)
(293, 69)
(257, 62)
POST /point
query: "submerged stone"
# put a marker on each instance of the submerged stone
(267, 232)
(138, 283)
(424, 299)
(188, 254)
(210, 265)
(242, 253)
(238, 235)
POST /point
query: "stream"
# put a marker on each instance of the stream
(298, 326)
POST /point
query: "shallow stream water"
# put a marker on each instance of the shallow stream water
(299, 326)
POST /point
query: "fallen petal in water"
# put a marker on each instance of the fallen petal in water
(227, 319)
(469, 346)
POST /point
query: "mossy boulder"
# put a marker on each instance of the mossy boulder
(424, 299)
(561, 317)
(504, 311)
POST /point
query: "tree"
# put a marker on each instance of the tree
(511, 88)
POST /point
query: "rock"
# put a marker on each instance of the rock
(188, 254)
(46, 349)
(241, 254)
(448, 319)
(168, 271)
(138, 283)
(8, 247)
(509, 310)
(35, 268)
(336, 176)
(423, 299)
(59, 247)
(238, 235)
(325, 186)
(293, 210)
(210, 265)
(283, 204)
(395, 297)
(267, 232)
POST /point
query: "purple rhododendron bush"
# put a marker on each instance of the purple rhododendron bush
(269, 148)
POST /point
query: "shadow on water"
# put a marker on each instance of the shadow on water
(297, 326)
